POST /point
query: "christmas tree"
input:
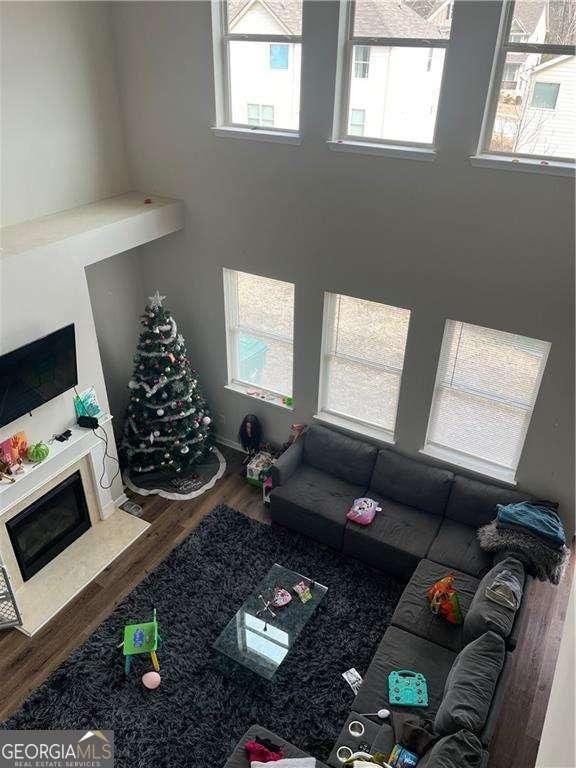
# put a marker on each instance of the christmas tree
(168, 425)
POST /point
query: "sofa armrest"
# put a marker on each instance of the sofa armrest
(522, 615)
(288, 462)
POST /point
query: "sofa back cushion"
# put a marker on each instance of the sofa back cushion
(459, 750)
(484, 614)
(411, 482)
(345, 457)
(473, 502)
(470, 686)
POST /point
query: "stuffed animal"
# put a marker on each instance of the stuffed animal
(363, 511)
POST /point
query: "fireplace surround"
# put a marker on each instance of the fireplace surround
(49, 525)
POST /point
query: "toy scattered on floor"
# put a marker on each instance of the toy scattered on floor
(151, 680)
(407, 688)
(141, 638)
(400, 757)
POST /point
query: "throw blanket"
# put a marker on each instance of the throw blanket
(540, 560)
(539, 518)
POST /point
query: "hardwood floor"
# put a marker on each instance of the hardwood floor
(26, 662)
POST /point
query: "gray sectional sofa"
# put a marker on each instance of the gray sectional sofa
(427, 528)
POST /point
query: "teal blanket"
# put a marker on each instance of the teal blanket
(537, 518)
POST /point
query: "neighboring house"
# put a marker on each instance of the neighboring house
(548, 120)
(265, 77)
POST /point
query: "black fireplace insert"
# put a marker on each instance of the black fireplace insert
(49, 525)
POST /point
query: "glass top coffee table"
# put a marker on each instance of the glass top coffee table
(259, 640)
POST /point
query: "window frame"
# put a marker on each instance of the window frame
(533, 93)
(362, 63)
(221, 39)
(270, 57)
(503, 47)
(233, 331)
(460, 458)
(260, 107)
(362, 124)
(347, 421)
(344, 70)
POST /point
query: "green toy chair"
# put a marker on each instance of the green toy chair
(141, 638)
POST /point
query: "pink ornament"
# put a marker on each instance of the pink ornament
(151, 680)
(206, 419)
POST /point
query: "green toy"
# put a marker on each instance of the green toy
(37, 452)
(141, 638)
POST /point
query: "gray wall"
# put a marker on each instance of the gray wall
(445, 239)
(62, 137)
(118, 299)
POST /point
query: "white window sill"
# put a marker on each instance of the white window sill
(524, 164)
(259, 394)
(356, 427)
(425, 154)
(479, 466)
(258, 134)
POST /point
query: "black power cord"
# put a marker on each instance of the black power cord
(107, 454)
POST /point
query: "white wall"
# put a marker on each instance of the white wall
(445, 239)
(62, 146)
(118, 299)
(62, 138)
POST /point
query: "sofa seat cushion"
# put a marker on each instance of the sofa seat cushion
(412, 482)
(399, 649)
(470, 686)
(396, 541)
(486, 615)
(459, 750)
(339, 455)
(315, 504)
(473, 502)
(413, 610)
(238, 758)
(456, 546)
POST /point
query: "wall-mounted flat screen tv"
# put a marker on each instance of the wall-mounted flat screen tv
(36, 373)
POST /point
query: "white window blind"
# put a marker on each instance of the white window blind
(486, 387)
(260, 331)
(362, 361)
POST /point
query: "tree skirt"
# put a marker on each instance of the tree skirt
(199, 478)
(205, 702)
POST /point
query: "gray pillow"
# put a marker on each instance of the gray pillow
(485, 615)
(470, 686)
(459, 750)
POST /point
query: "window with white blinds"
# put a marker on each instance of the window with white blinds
(362, 360)
(486, 387)
(260, 332)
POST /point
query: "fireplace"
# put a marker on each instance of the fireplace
(44, 529)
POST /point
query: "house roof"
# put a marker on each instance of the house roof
(528, 14)
(374, 18)
(391, 18)
(288, 12)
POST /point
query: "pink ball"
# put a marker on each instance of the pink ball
(151, 680)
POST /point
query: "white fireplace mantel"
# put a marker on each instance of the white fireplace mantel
(111, 531)
(82, 442)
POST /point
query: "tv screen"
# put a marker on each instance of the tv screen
(36, 373)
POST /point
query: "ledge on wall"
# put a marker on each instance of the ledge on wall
(102, 229)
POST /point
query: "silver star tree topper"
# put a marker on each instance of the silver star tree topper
(156, 300)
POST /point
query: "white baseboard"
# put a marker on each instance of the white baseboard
(230, 443)
(121, 499)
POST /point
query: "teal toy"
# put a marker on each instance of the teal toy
(141, 638)
(407, 688)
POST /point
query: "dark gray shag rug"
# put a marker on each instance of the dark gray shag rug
(203, 706)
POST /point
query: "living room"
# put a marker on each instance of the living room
(296, 280)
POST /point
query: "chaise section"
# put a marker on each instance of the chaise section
(396, 541)
(456, 546)
(413, 612)
(315, 504)
(402, 650)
